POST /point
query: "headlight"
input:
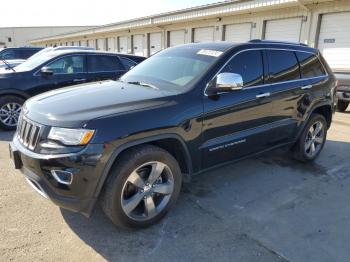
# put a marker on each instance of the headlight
(71, 137)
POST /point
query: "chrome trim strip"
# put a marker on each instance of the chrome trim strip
(35, 187)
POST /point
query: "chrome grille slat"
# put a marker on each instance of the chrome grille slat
(28, 133)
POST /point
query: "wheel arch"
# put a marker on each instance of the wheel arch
(10, 92)
(169, 142)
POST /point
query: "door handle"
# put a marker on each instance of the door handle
(263, 95)
(79, 80)
(306, 87)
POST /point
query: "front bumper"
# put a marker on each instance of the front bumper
(85, 166)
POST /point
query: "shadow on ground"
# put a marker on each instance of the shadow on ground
(232, 213)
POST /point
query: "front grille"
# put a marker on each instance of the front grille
(28, 133)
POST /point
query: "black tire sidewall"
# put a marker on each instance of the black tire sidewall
(301, 143)
(122, 172)
(9, 99)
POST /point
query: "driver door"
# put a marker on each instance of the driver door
(237, 123)
(62, 72)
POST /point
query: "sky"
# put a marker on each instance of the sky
(84, 12)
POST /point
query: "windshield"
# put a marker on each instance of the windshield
(32, 63)
(47, 49)
(172, 68)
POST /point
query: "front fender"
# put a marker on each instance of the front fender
(122, 147)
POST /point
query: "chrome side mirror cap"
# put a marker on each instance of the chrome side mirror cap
(225, 82)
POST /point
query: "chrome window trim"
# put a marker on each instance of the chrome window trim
(57, 58)
(261, 49)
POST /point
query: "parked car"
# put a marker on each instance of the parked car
(343, 90)
(52, 70)
(18, 52)
(9, 64)
(131, 143)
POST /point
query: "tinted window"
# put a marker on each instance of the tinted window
(128, 64)
(102, 63)
(8, 54)
(283, 66)
(68, 65)
(310, 65)
(249, 65)
(28, 53)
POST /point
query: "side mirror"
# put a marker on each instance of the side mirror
(46, 71)
(225, 82)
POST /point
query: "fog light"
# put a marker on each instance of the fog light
(63, 177)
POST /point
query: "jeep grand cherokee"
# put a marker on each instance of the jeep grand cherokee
(131, 143)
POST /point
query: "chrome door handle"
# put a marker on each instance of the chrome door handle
(263, 95)
(306, 87)
(79, 80)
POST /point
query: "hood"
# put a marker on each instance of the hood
(74, 106)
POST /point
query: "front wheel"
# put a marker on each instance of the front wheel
(142, 187)
(10, 108)
(312, 139)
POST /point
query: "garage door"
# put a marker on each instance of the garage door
(111, 44)
(123, 44)
(284, 29)
(177, 37)
(138, 45)
(76, 43)
(101, 44)
(91, 43)
(83, 43)
(238, 33)
(155, 42)
(334, 40)
(204, 34)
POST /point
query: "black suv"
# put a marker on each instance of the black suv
(54, 69)
(130, 143)
(18, 52)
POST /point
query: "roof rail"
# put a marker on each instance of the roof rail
(275, 42)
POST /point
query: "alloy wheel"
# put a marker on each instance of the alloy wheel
(147, 191)
(314, 139)
(9, 114)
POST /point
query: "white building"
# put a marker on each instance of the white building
(20, 36)
(319, 23)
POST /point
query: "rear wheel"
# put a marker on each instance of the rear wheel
(312, 140)
(342, 106)
(10, 108)
(142, 187)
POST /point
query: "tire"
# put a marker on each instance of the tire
(342, 106)
(303, 147)
(118, 190)
(10, 106)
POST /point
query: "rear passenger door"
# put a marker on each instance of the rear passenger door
(288, 94)
(237, 123)
(104, 67)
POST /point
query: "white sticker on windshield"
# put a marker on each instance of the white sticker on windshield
(209, 52)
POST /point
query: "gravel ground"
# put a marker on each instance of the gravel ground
(269, 208)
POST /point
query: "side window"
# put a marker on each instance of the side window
(283, 66)
(68, 65)
(310, 65)
(25, 54)
(249, 65)
(104, 63)
(8, 54)
(128, 64)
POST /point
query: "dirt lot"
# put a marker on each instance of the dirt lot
(269, 208)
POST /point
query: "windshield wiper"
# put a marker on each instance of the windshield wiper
(139, 83)
(8, 65)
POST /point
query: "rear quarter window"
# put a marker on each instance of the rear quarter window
(283, 66)
(104, 63)
(310, 65)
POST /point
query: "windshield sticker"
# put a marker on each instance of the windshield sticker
(209, 52)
